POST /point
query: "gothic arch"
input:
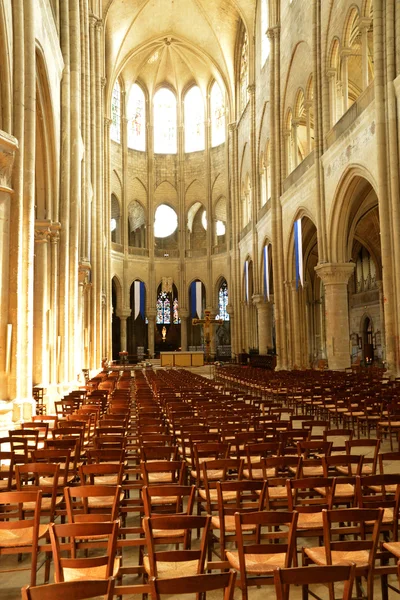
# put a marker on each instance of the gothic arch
(347, 192)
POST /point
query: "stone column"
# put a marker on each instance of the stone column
(307, 107)
(295, 125)
(264, 323)
(123, 315)
(296, 327)
(183, 315)
(8, 145)
(287, 140)
(331, 74)
(364, 25)
(40, 372)
(335, 277)
(344, 55)
(151, 317)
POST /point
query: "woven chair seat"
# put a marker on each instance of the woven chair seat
(90, 572)
(257, 563)
(318, 556)
(229, 524)
(167, 570)
(10, 538)
(310, 521)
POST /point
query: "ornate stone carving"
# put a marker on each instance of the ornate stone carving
(166, 285)
(55, 232)
(42, 231)
(84, 269)
(8, 145)
(335, 273)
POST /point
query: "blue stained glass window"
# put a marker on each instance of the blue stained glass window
(163, 309)
(223, 301)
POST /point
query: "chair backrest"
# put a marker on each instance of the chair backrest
(194, 584)
(92, 502)
(104, 473)
(39, 477)
(168, 499)
(163, 471)
(369, 449)
(279, 538)
(78, 590)
(170, 523)
(90, 536)
(306, 576)
(346, 530)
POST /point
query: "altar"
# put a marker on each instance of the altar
(182, 359)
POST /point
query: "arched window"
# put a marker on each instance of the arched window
(167, 307)
(115, 130)
(165, 221)
(223, 300)
(165, 122)
(115, 225)
(244, 73)
(163, 309)
(137, 119)
(265, 45)
(217, 116)
(194, 120)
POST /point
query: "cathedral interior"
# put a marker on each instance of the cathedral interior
(160, 159)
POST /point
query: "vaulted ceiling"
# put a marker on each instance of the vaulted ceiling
(177, 42)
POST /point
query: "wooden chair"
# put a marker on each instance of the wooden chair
(7, 481)
(163, 471)
(88, 536)
(195, 584)
(104, 473)
(78, 590)
(381, 491)
(233, 497)
(93, 502)
(369, 449)
(226, 468)
(304, 497)
(21, 535)
(43, 477)
(258, 553)
(164, 564)
(306, 576)
(338, 437)
(345, 538)
(277, 470)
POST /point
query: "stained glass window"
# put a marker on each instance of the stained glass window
(244, 73)
(115, 130)
(265, 45)
(176, 312)
(163, 309)
(165, 139)
(194, 120)
(223, 301)
(217, 116)
(137, 119)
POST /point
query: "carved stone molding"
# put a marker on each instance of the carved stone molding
(8, 146)
(42, 231)
(335, 273)
(84, 269)
(55, 229)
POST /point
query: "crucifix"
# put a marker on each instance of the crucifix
(207, 322)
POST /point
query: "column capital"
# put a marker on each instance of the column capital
(345, 52)
(151, 313)
(183, 313)
(335, 273)
(230, 310)
(84, 269)
(251, 89)
(124, 313)
(8, 146)
(331, 73)
(274, 32)
(42, 231)
(364, 23)
(107, 122)
(295, 123)
(232, 127)
(258, 300)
